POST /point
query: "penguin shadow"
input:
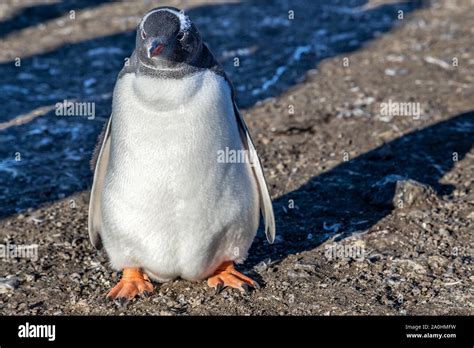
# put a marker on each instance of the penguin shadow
(265, 47)
(355, 195)
(33, 15)
(268, 46)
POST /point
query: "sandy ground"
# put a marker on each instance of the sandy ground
(374, 212)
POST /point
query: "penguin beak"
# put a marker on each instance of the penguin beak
(155, 49)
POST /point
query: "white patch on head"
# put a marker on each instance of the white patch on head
(184, 21)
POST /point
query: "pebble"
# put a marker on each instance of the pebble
(262, 266)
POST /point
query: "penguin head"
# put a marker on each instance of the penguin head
(166, 37)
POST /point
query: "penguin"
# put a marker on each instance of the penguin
(164, 204)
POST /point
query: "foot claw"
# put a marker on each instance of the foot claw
(121, 301)
(219, 288)
(245, 288)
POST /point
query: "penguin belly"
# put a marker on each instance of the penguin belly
(169, 204)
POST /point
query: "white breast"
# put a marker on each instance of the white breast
(168, 205)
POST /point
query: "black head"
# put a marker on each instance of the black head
(166, 37)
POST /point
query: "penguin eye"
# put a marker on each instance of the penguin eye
(143, 34)
(180, 36)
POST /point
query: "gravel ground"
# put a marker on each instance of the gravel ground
(374, 212)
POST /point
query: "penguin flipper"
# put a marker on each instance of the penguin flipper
(95, 211)
(265, 199)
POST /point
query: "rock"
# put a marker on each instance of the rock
(381, 193)
(417, 214)
(75, 277)
(411, 192)
(305, 267)
(262, 266)
(444, 232)
(436, 261)
(8, 283)
(299, 274)
(396, 191)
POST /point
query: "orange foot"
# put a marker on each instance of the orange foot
(134, 282)
(227, 275)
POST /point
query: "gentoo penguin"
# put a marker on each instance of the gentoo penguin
(163, 204)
